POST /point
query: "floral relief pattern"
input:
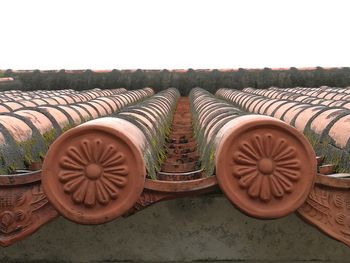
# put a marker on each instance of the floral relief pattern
(266, 166)
(93, 172)
(18, 206)
(328, 208)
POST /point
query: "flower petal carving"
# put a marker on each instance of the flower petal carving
(92, 172)
(266, 166)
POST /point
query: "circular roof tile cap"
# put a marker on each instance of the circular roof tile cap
(264, 166)
(93, 174)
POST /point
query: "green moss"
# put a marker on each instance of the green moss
(27, 151)
(150, 167)
(312, 138)
(324, 147)
(3, 169)
(11, 168)
(49, 137)
(166, 130)
(342, 170)
(154, 142)
(161, 156)
(336, 160)
(332, 155)
(41, 156)
(67, 127)
(28, 160)
(2, 160)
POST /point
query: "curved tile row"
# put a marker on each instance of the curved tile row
(19, 92)
(26, 134)
(153, 117)
(341, 100)
(323, 89)
(326, 128)
(55, 99)
(321, 92)
(257, 159)
(207, 124)
(6, 79)
(14, 95)
(182, 159)
(95, 172)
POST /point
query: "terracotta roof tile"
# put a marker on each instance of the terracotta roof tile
(112, 153)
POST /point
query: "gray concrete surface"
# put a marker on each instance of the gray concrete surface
(191, 229)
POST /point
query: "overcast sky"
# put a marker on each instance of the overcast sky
(152, 34)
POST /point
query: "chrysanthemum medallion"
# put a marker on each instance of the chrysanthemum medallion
(93, 174)
(259, 166)
(266, 167)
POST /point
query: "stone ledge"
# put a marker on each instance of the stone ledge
(190, 229)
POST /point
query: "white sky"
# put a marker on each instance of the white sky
(156, 34)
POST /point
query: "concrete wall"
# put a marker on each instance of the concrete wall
(190, 229)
